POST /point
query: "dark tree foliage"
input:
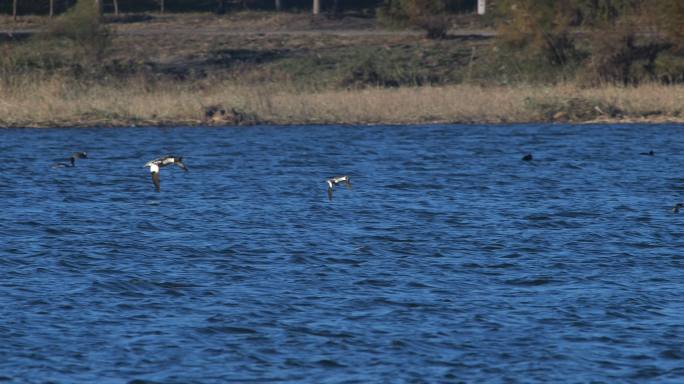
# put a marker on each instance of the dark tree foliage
(670, 15)
(617, 41)
(429, 15)
(60, 6)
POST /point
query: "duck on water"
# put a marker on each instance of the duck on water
(72, 160)
(156, 164)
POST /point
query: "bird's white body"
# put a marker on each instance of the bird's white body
(163, 161)
(338, 179)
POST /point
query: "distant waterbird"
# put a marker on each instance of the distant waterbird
(156, 164)
(527, 157)
(649, 153)
(677, 207)
(335, 181)
(72, 160)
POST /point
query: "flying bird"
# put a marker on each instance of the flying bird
(334, 181)
(72, 160)
(156, 164)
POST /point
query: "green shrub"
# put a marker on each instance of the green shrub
(393, 14)
(428, 15)
(541, 35)
(670, 16)
(540, 28)
(391, 68)
(82, 26)
(619, 55)
(74, 43)
(669, 68)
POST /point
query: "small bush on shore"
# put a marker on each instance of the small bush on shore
(669, 68)
(75, 43)
(428, 15)
(619, 57)
(378, 70)
(81, 25)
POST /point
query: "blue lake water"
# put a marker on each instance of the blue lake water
(450, 259)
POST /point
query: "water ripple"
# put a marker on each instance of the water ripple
(450, 260)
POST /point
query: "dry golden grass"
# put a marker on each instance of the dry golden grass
(61, 102)
(7, 23)
(643, 100)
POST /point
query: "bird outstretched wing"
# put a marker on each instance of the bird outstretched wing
(181, 165)
(155, 180)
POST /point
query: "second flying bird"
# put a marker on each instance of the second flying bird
(155, 164)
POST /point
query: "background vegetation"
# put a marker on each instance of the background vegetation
(26, 7)
(541, 60)
(594, 41)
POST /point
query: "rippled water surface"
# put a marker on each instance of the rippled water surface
(450, 259)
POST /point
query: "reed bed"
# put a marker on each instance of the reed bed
(63, 102)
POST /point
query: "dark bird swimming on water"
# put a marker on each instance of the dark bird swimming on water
(72, 160)
(156, 164)
(334, 181)
(677, 207)
(527, 157)
(649, 153)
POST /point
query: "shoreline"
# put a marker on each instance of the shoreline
(205, 124)
(59, 103)
(279, 71)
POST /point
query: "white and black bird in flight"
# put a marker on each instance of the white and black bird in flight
(155, 164)
(334, 181)
(72, 160)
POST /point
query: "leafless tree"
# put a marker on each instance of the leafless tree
(14, 10)
(116, 7)
(52, 8)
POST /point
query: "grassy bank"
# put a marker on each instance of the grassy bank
(251, 68)
(56, 102)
